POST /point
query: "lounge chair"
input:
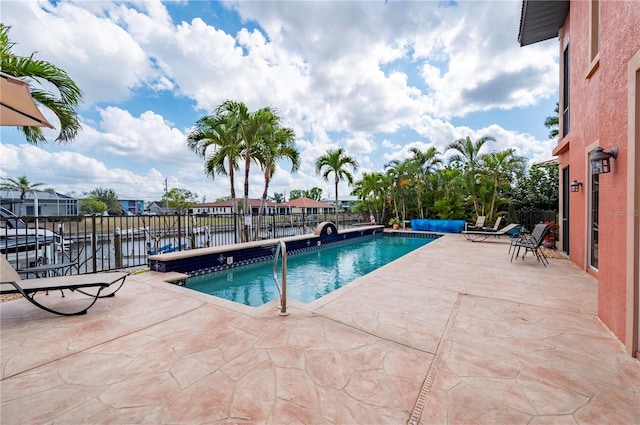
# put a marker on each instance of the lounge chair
(495, 227)
(479, 224)
(94, 286)
(480, 235)
(533, 243)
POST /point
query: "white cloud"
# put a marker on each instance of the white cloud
(101, 57)
(343, 74)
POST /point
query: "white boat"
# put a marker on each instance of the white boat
(24, 246)
(136, 232)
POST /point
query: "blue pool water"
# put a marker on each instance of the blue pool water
(310, 275)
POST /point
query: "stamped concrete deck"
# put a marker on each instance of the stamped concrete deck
(453, 333)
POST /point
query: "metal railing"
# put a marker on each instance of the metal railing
(281, 248)
(101, 243)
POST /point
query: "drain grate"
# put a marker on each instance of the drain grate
(418, 408)
(416, 413)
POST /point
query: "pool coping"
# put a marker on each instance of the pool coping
(201, 261)
(243, 245)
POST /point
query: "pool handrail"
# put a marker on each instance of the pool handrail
(281, 248)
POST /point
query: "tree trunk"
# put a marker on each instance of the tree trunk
(337, 180)
(234, 203)
(247, 205)
(494, 198)
(263, 201)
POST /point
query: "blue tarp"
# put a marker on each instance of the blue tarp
(434, 225)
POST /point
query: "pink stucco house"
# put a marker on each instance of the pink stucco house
(599, 77)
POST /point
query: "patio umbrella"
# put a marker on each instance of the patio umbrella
(16, 104)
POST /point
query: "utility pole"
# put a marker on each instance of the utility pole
(166, 200)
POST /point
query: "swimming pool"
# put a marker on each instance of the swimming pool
(310, 275)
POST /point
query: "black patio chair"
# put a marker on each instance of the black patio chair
(531, 242)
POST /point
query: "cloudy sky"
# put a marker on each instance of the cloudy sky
(373, 77)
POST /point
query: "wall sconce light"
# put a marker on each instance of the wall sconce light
(600, 160)
(575, 186)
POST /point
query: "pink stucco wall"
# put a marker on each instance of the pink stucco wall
(599, 115)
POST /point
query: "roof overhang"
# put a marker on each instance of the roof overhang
(541, 20)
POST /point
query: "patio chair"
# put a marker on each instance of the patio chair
(515, 237)
(533, 243)
(479, 224)
(480, 235)
(94, 286)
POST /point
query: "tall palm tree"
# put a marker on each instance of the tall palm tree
(468, 157)
(214, 139)
(277, 143)
(20, 184)
(247, 127)
(398, 175)
(243, 127)
(336, 161)
(503, 168)
(33, 70)
(251, 127)
(426, 162)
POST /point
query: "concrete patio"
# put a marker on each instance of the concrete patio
(453, 333)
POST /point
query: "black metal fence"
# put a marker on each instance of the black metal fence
(100, 243)
(529, 219)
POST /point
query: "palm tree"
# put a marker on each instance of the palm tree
(468, 157)
(214, 139)
(277, 143)
(20, 184)
(398, 174)
(426, 162)
(503, 168)
(369, 190)
(336, 161)
(33, 70)
(553, 123)
(247, 128)
(386, 194)
(243, 128)
(250, 126)
(468, 151)
(450, 193)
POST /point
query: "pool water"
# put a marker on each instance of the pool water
(310, 275)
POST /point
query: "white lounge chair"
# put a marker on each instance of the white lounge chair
(480, 235)
(479, 224)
